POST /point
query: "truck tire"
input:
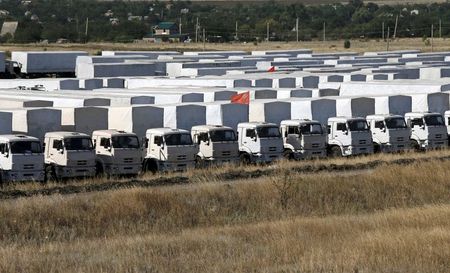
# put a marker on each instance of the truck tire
(244, 158)
(376, 148)
(199, 163)
(288, 155)
(1, 179)
(335, 151)
(414, 145)
(99, 170)
(151, 166)
(50, 174)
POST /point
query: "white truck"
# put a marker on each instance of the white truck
(389, 133)
(428, 130)
(116, 153)
(259, 142)
(303, 139)
(349, 136)
(168, 149)
(21, 159)
(68, 155)
(216, 143)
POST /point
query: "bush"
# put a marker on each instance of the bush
(347, 44)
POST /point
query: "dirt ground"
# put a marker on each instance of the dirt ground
(317, 46)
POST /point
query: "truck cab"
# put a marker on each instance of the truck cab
(117, 152)
(428, 130)
(349, 136)
(303, 139)
(21, 159)
(68, 155)
(389, 133)
(168, 149)
(259, 142)
(216, 144)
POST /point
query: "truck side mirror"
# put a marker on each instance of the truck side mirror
(422, 127)
(60, 150)
(383, 129)
(345, 132)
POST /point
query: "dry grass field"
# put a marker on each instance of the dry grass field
(318, 46)
(382, 213)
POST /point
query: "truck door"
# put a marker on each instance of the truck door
(56, 151)
(340, 133)
(379, 131)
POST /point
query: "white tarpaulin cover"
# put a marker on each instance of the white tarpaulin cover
(85, 119)
(269, 111)
(354, 106)
(434, 102)
(136, 119)
(184, 116)
(227, 114)
(36, 122)
(47, 61)
(396, 104)
(314, 109)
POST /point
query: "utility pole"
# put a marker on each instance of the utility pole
(387, 45)
(395, 28)
(236, 31)
(268, 31)
(87, 29)
(196, 32)
(432, 36)
(440, 28)
(181, 32)
(296, 27)
(204, 39)
(324, 33)
(382, 30)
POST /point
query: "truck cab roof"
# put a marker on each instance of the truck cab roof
(207, 128)
(298, 122)
(420, 114)
(166, 130)
(112, 132)
(382, 116)
(255, 124)
(17, 137)
(63, 134)
(344, 119)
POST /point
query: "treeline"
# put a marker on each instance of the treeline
(125, 21)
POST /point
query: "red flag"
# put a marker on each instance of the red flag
(242, 98)
(271, 69)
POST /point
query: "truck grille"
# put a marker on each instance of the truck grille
(400, 139)
(81, 162)
(438, 136)
(226, 153)
(272, 149)
(28, 166)
(128, 160)
(181, 157)
(362, 142)
(315, 145)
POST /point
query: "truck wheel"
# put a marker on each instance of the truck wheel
(414, 146)
(376, 148)
(50, 174)
(244, 159)
(289, 155)
(99, 170)
(151, 166)
(1, 179)
(335, 151)
(199, 162)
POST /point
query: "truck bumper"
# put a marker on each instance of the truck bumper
(21, 176)
(123, 169)
(308, 154)
(357, 150)
(433, 144)
(266, 158)
(73, 172)
(176, 166)
(221, 160)
(394, 147)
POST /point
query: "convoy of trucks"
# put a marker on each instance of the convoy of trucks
(116, 152)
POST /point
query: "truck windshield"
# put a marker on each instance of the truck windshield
(434, 120)
(178, 139)
(78, 143)
(395, 123)
(358, 125)
(222, 135)
(311, 129)
(125, 142)
(25, 147)
(266, 131)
